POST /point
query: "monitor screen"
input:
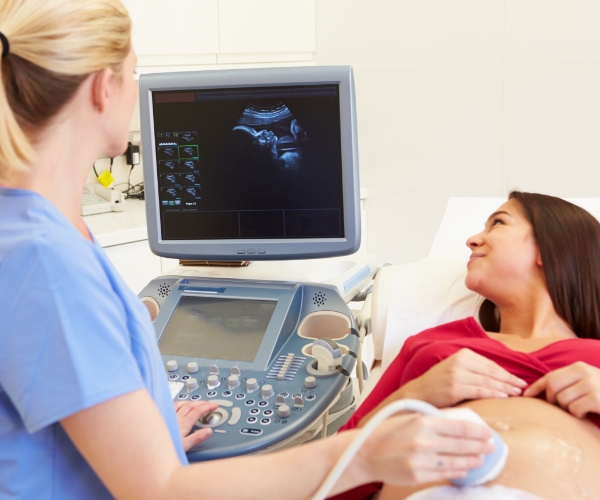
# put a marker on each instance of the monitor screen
(246, 163)
(215, 328)
(251, 164)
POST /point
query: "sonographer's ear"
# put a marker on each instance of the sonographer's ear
(101, 83)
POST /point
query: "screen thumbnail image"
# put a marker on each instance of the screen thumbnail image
(168, 180)
(190, 193)
(189, 166)
(189, 180)
(188, 138)
(190, 152)
(170, 193)
(168, 166)
(168, 153)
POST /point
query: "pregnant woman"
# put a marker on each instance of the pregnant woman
(532, 369)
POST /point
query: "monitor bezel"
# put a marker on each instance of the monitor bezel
(274, 249)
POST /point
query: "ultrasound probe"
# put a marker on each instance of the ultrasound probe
(491, 468)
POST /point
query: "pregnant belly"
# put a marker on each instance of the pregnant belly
(551, 453)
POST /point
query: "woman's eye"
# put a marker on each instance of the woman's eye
(497, 221)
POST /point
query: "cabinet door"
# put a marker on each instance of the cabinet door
(176, 32)
(136, 264)
(266, 26)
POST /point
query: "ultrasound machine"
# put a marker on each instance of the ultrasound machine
(255, 165)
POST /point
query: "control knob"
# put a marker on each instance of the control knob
(310, 382)
(283, 411)
(213, 381)
(172, 365)
(267, 391)
(192, 367)
(191, 384)
(233, 381)
(251, 384)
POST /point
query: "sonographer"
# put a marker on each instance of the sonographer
(85, 409)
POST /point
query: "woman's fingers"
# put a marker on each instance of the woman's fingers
(480, 365)
(196, 437)
(188, 414)
(490, 387)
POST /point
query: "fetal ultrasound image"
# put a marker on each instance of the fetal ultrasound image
(168, 153)
(188, 151)
(189, 166)
(168, 180)
(274, 132)
(188, 138)
(168, 167)
(170, 193)
(189, 179)
(190, 193)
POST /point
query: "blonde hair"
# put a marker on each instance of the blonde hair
(54, 46)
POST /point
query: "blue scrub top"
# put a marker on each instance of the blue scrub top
(72, 335)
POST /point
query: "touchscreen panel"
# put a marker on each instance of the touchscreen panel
(217, 328)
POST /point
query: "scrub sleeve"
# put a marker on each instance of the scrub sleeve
(72, 335)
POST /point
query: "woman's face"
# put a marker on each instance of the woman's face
(504, 255)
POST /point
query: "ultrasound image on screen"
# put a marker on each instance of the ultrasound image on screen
(269, 157)
(272, 132)
(214, 328)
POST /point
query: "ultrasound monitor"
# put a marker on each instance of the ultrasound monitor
(251, 164)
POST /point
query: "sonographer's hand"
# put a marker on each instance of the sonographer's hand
(188, 413)
(575, 387)
(411, 449)
(463, 376)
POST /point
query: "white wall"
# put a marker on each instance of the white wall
(455, 97)
(466, 98)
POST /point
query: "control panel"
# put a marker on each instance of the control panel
(273, 356)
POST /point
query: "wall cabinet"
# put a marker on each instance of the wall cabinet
(196, 32)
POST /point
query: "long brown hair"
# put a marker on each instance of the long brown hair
(569, 241)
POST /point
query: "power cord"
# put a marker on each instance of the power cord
(135, 191)
(112, 160)
(367, 430)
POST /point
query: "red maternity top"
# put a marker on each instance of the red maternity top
(424, 350)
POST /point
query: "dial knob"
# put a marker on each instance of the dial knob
(172, 365)
(310, 382)
(233, 381)
(191, 384)
(267, 391)
(251, 384)
(213, 381)
(236, 371)
(192, 367)
(283, 411)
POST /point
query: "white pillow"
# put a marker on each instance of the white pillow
(425, 294)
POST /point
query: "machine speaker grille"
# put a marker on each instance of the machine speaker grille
(319, 299)
(163, 290)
